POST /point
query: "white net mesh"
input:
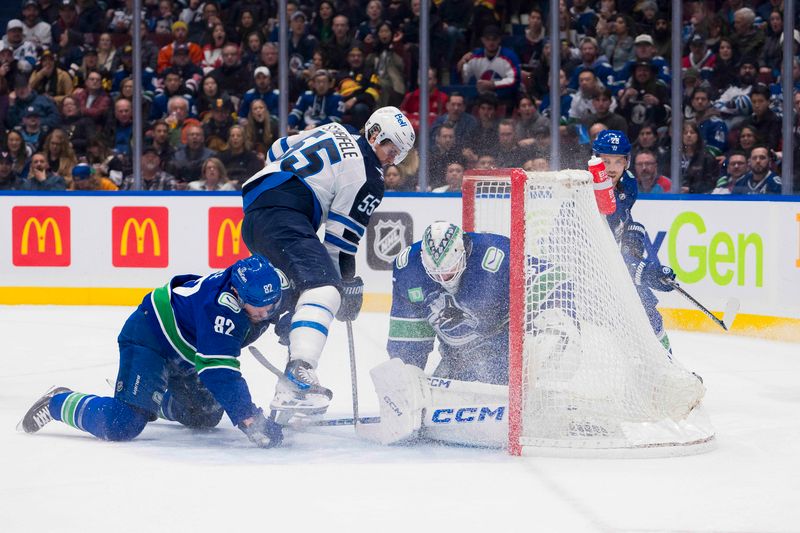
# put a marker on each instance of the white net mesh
(593, 373)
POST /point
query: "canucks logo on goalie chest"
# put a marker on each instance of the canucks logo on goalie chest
(390, 235)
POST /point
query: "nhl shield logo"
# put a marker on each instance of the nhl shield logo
(390, 239)
(387, 235)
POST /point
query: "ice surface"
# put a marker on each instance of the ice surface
(174, 479)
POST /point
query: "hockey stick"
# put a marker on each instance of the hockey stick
(265, 362)
(353, 377)
(728, 315)
(332, 422)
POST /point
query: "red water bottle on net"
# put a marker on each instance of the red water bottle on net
(603, 186)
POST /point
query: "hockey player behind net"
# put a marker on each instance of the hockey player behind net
(178, 359)
(327, 176)
(453, 287)
(648, 274)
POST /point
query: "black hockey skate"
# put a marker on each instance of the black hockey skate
(299, 394)
(39, 414)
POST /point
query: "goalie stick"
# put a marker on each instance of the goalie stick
(728, 315)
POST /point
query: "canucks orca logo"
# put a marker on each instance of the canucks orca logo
(455, 324)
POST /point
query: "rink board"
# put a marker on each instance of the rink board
(112, 248)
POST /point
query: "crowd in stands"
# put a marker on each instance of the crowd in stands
(211, 100)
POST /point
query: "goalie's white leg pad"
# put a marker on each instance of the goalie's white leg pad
(468, 413)
(403, 395)
(312, 317)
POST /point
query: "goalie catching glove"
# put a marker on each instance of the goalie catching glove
(262, 432)
(352, 298)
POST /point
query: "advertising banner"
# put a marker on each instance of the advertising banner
(113, 248)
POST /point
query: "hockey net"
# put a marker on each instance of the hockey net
(587, 375)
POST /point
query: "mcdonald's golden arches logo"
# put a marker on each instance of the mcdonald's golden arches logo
(41, 236)
(140, 237)
(225, 244)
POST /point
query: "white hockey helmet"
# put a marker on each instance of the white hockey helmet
(444, 254)
(391, 125)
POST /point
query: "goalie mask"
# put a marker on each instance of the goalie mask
(444, 254)
(391, 124)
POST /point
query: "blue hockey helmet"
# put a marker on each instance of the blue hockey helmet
(612, 142)
(256, 281)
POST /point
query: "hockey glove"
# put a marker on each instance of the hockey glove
(262, 432)
(651, 274)
(283, 327)
(352, 298)
(633, 240)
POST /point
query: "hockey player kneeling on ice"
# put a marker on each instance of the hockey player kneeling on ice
(453, 286)
(178, 359)
(332, 176)
(648, 273)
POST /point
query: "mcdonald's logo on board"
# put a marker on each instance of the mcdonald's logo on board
(41, 236)
(140, 237)
(225, 244)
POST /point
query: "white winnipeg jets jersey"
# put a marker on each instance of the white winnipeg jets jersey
(342, 172)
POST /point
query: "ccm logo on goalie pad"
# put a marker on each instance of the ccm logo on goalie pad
(388, 401)
(438, 382)
(468, 414)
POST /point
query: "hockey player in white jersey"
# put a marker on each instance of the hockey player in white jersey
(327, 176)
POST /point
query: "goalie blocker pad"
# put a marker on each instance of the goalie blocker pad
(447, 410)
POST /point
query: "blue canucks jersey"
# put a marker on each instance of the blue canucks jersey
(203, 328)
(474, 319)
(314, 110)
(626, 192)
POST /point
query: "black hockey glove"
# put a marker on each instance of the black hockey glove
(633, 240)
(352, 298)
(655, 276)
(262, 432)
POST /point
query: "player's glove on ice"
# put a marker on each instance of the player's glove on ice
(262, 432)
(352, 298)
(651, 274)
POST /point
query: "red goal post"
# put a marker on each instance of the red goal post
(614, 391)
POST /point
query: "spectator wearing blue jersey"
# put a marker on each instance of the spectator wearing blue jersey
(463, 122)
(644, 49)
(566, 98)
(23, 97)
(320, 106)
(492, 68)
(172, 86)
(760, 179)
(262, 91)
(590, 60)
(712, 128)
(178, 354)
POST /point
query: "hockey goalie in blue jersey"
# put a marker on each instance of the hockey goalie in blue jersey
(179, 359)
(454, 287)
(327, 176)
(648, 273)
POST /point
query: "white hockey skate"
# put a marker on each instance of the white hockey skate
(298, 394)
